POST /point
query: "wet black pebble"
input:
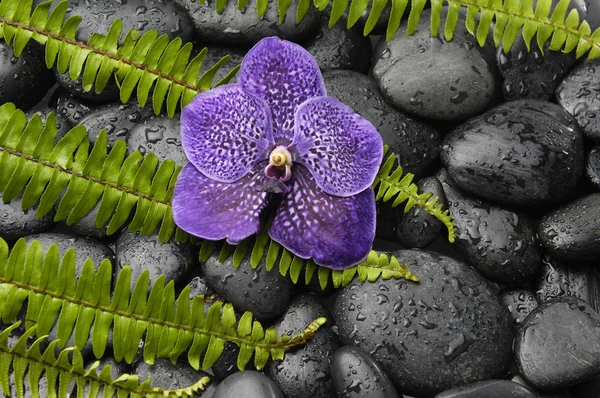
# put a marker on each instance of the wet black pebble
(451, 322)
(340, 48)
(169, 376)
(520, 303)
(245, 28)
(499, 243)
(172, 259)
(435, 79)
(356, 375)
(490, 389)
(417, 227)
(84, 247)
(592, 167)
(415, 143)
(558, 344)
(248, 383)
(265, 294)
(15, 222)
(109, 93)
(24, 80)
(305, 371)
(570, 232)
(159, 135)
(63, 125)
(521, 153)
(579, 94)
(529, 74)
(70, 107)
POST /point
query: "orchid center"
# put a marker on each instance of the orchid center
(280, 164)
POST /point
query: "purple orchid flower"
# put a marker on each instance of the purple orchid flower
(276, 133)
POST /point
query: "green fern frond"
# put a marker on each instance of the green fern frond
(566, 32)
(124, 185)
(373, 267)
(140, 62)
(52, 291)
(63, 370)
(390, 185)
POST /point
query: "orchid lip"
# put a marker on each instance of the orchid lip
(280, 164)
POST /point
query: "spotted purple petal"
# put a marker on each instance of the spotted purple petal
(337, 232)
(226, 131)
(342, 150)
(214, 210)
(284, 75)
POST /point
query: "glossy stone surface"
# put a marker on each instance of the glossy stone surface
(159, 135)
(247, 384)
(15, 222)
(592, 167)
(166, 375)
(490, 389)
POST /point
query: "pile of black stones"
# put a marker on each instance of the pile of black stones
(509, 141)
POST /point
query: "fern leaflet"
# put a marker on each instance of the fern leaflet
(52, 291)
(63, 370)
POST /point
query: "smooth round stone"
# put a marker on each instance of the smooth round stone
(166, 17)
(265, 294)
(560, 280)
(570, 232)
(592, 167)
(63, 125)
(340, 48)
(448, 330)
(159, 135)
(172, 259)
(558, 344)
(305, 371)
(86, 226)
(499, 243)
(166, 375)
(25, 80)
(415, 143)
(246, 28)
(521, 153)
(356, 375)
(433, 78)
(110, 93)
(417, 227)
(529, 73)
(15, 222)
(490, 389)
(248, 383)
(578, 95)
(520, 303)
(70, 107)
(84, 247)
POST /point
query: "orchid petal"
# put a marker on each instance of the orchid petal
(284, 75)
(342, 150)
(336, 232)
(225, 132)
(214, 210)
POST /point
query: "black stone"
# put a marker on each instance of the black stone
(448, 330)
(433, 78)
(84, 248)
(245, 28)
(63, 125)
(16, 222)
(418, 228)
(490, 389)
(159, 135)
(415, 143)
(520, 303)
(214, 54)
(578, 94)
(499, 243)
(521, 153)
(265, 294)
(558, 344)
(305, 371)
(356, 375)
(592, 167)
(23, 80)
(117, 369)
(70, 107)
(248, 383)
(226, 365)
(109, 93)
(570, 232)
(169, 376)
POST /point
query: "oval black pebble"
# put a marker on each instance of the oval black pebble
(570, 232)
(265, 293)
(84, 247)
(417, 227)
(169, 376)
(558, 345)
(70, 107)
(24, 80)
(578, 95)
(499, 243)
(159, 135)
(448, 330)
(490, 389)
(16, 222)
(521, 153)
(356, 375)
(247, 384)
(305, 371)
(592, 167)
(109, 93)
(520, 303)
